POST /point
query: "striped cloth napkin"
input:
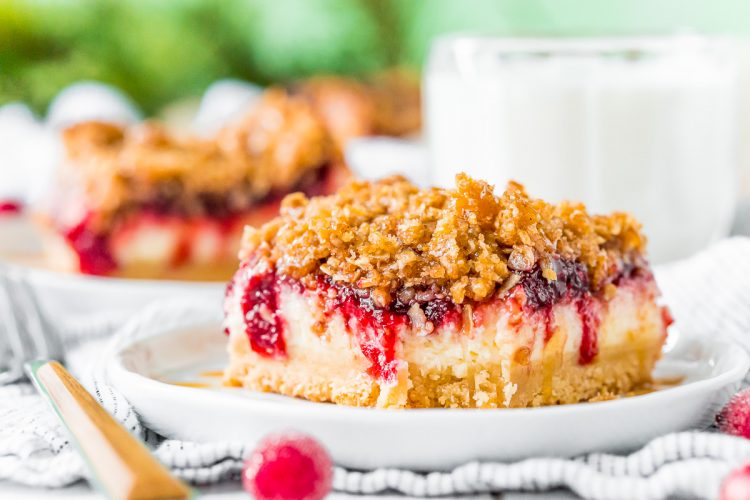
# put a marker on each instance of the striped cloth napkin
(708, 293)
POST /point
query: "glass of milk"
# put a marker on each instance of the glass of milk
(645, 125)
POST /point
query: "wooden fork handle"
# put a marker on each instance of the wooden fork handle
(122, 466)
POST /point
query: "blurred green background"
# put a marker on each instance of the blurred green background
(160, 50)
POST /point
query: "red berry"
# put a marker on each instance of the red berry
(10, 207)
(736, 486)
(734, 418)
(288, 466)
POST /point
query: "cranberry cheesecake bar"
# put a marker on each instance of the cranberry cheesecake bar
(144, 202)
(386, 295)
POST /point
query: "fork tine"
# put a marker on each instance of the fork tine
(20, 311)
(49, 344)
(55, 346)
(18, 343)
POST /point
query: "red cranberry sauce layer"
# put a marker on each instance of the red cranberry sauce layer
(259, 301)
(377, 328)
(170, 201)
(94, 255)
(94, 247)
(264, 325)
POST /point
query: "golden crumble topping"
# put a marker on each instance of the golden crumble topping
(389, 103)
(280, 140)
(391, 237)
(271, 149)
(344, 105)
(398, 102)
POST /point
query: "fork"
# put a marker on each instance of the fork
(121, 465)
(24, 326)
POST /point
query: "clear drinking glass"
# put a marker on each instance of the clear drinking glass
(646, 125)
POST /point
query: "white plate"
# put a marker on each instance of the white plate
(66, 293)
(173, 346)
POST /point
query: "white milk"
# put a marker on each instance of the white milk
(647, 126)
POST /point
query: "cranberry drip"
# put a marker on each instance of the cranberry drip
(571, 284)
(588, 313)
(93, 251)
(10, 207)
(666, 316)
(263, 324)
(376, 328)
